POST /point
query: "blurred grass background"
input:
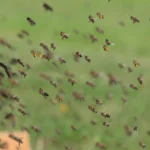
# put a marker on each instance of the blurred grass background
(131, 42)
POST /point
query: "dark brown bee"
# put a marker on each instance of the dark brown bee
(107, 42)
(130, 69)
(105, 47)
(22, 112)
(106, 124)
(31, 21)
(45, 47)
(91, 19)
(128, 130)
(62, 60)
(92, 109)
(99, 30)
(69, 74)
(22, 73)
(36, 129)
(15, 98)
(20, 35)
(135, 128)
(93, 38)
(93, 122)
(67, 148)
(58, 132)
(44, 76)
(100, 15)
(25, 32)
(87, 59)
(72, 81)
(78, 96)
(99, 102)
(19, 140)
(24, 129)
(42, 92)
(112, 79)
(105, 115)
(133, 87)
(134, 19)
(53, 46)
(124, 100)
(90, 84)
(141, 144)
(47, 7)
(136, 63)
(53, 83)
(140, 80)
(28, 66)
(73, 128)
(22, 105)
(94, 74)
(60, 99)
(121, 65)
(6, 70)
(78, 54)
(101, 146)
(20, 62)
(12, 118)
(64, 35)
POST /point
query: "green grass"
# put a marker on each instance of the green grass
(131, 42)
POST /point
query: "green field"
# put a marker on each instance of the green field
(131, 43)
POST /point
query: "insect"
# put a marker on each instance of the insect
(94, 74)
(99, 102)
(130, 69)
(12, 118)
(78, 96)
(93, 38)
(73, 128)
(31, 21)
(47, 7)
(72, 81)
(60, 99)
(53, 83)
(93, 122)
(36, 129)
(91, 19)
(87, 59)
(17, 139)
(34, 53)
(136, 63)
(128, 130)
(64, 35)
(90, 84)
(105, 47)
(105, 115)
(78, 54)
(106, 124)
(99, 30)
(15, 98)
(6, 70)
(53, 46)
(25, 32)
(42, 92)
(107, 42)
(67, 148)
(141, 144)
(121, 65)
(22, 112)
(135, 128)
(101, 146)
(45, 47)
(20, 62)
(22, 73)
(101, 16)
(133, 87)
(124, 100)
(92, 109)
(62, 60)
(140, 80)
(134, 19)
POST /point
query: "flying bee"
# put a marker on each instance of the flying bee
(11, 117)
(141, 144)
(78, 54)
(25, 32)
(44, 46)
(101, 146)
(42, 92)
(53, 83)
(72, 81)
(128, 130)
(124, 100)
(106, 124)
(22, 112)
(87, 59)
(90, 84)
(69, 74)
(34, 53)
(60, 99)
(101, 16)
(31, 21)
(136, 63)
(105, 115)
(67, 148)
(17, 139)
(22, 105)
(20, 35)
(25, 129)
(99, 30)
(36, 129)
(93, 122)
(73, 128)
(135, 128)
(20, 62)
(64, 35)
(107, 42)
(93, 38)
(134, 19)
(47, 7)
(105, 47)
(92, 109)
(62, 60)
(130, 69)
(22, 73)
(99, 102)
(133, 87)
(94, 74)
(14, 98)
(121, 65)
(91, 19)
(140, 80)
(53, 46)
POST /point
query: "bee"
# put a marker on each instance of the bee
(94, 74)
(44, 46)
(90, 84)
(67, 148)
(42, 92)
(47, 7)
(134, 19)
(64, 35)
(25, 32)
(6, 70)
(24, 129)
(93, 122)
(136, 64)
(91, 19)
(53, 101)
(12, 118)
(140, 80)
(135, 128)
(72, 81)
(105, 47)
(22, 112)
(31, 21)
(62, 60)
(15, 98)
(20, 35)
(101, 16)
(128, 130)
(101, 146)
(53, 83)
(22, 105)
(87, 59)
(105, 115)
(106, 124)
(107, 42)
(112, 79)
(60, 99)
(93, 38)
(99, 102)
(78, 96)
(53, 46)
(17, 139)
(133, 87)
(69, 74)
(78, 54)
(92, 109)
(34, 53)
(36, 129)
(22, 73)
(20, 62)
(99, 30)
(58, 132)
(124, 100)
(141, 144)
(121, 65)
(73, 128)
